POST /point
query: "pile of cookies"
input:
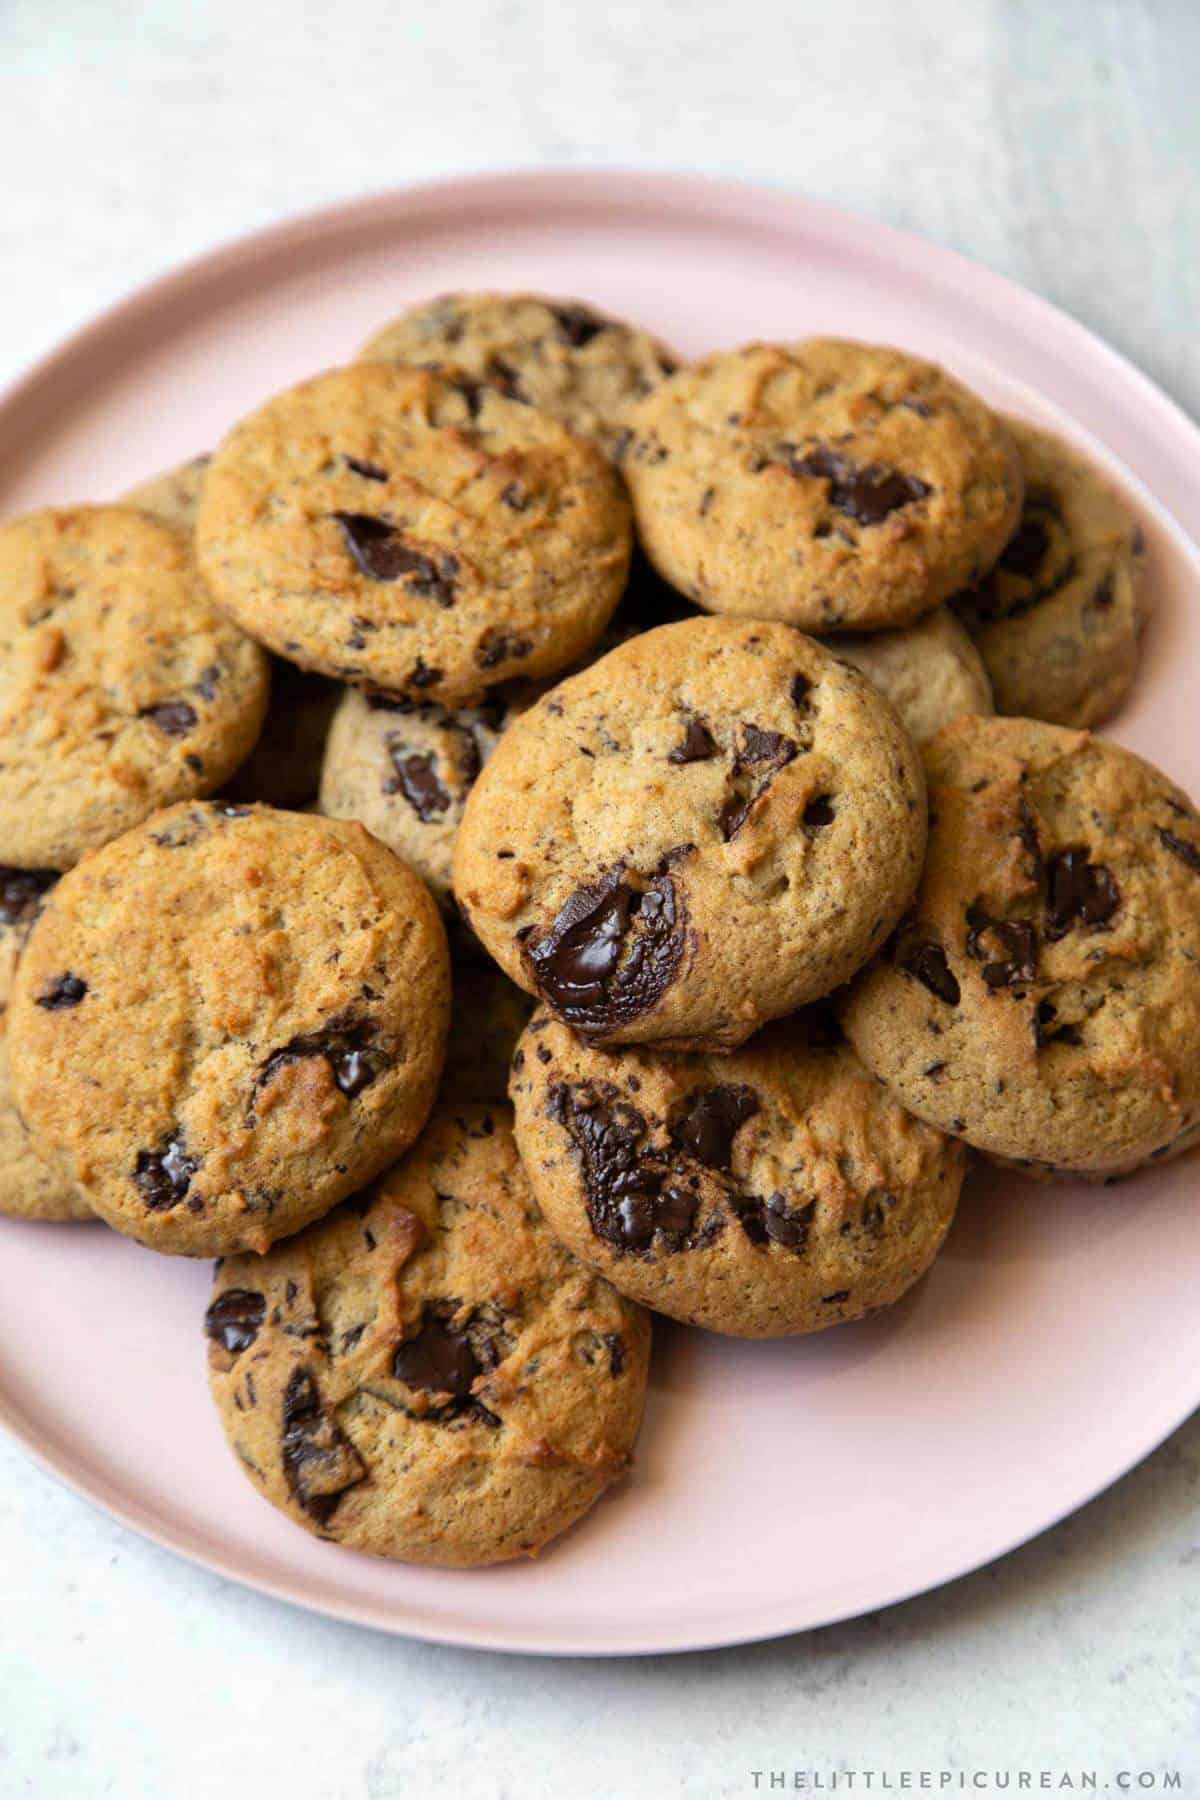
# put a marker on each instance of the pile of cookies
(527, 835)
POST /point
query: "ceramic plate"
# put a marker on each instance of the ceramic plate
(778, 1486)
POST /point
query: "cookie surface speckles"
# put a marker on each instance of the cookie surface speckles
(580, 366)
(227, 1020)
(834, 485)
(931, 671)
(414, 531)
(122, 687)
(713, 824)
(1042, 999)
(1059, 620)
(776, 1190)
(427, 1375)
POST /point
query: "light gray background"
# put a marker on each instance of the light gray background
(1056, 140)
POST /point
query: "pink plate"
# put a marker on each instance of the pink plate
(779, 1486)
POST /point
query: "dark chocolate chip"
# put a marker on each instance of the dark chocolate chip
(439, 1359)
(347, 1047)
(866, 493)
(611, 952)
(174, 717)
(926, 961)
(21, 893)
(818, 813)
(698, 744)
(615, 1345)
(368, 470)
(759, 746)
(773, 1221)
(209, 681)
(707, 1122)
(497, 646)
(235, 1318)
(423, 677)
(1080, 892)
(380, 552)
(801, 691)
(578, 324)
(163, 1176)
(319, 1461)
(415, 776)
(1188, 854)
(632, 1194)
(64, 990)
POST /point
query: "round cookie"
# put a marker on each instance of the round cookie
(1059, 620)
(713, 824)
(488, 1014)
(835, 485)
(174, 495)
(414, 531)
(931, 671)
(580, 366)
(1042, 999)
(30, 1187)
(772, 1191)
(122, 687)
(226, 1021)
(427, 1374)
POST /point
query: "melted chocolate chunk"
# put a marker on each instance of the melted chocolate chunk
(698, 744)
(1079, 893)
(380, 553)
(235, 1318)
(1017, 941)
(498, 646)
(759, 746)
(319, 1461)
(709, 1120)
(163, 1176)
(1189, 854)
(439, 1359)
(867, 493)
(611, 952)
(632, 1194)
(773, 1221)
(21, 893)
(578, 324)
(347, 1047)
(416, 778)
(926, 961)
(368, 470)
(64, 990)
(174, 717)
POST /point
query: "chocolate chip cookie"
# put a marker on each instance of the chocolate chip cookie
(776, 1190)
(174, 495)
(1042, 998)
(123, 688)
(30, 1187)
(1059, 620)
(427, 1374)
(931, 671)
(565, 358)
(226, 1021)
(414, 531)
(715, 823)
(837, 486)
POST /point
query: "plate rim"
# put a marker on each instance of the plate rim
(598, 187)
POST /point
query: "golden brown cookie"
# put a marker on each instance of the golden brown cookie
(931, 671)
(122, 687)
(427, 1374)
(776, 1190)
(834, 485)
(414, 531)
(713, 824)
(30, 1187)
(1059, 620)
(1042, 998)
(226, 1021)
(580, 366)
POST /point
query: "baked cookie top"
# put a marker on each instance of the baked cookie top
(30, 1187)
(227, 1020)
(1042, 998)
(413, 530)
(122, 687)
(931, 671)
(775, 1190)
(711, 825)
(835, 485)
(579, 365)
(1059, 620)
(427, 1374)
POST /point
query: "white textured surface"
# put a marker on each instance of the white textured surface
(1056, 142)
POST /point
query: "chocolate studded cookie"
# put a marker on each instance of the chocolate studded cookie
(563, 357)
(174, 495)
(227, 1020)
(713, 824)
(776, 1190)
(838, 486)
(427, 1374)
(123, 688)
(931, 671)
(1059, 619)
(1042, 998)
(414, 531)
